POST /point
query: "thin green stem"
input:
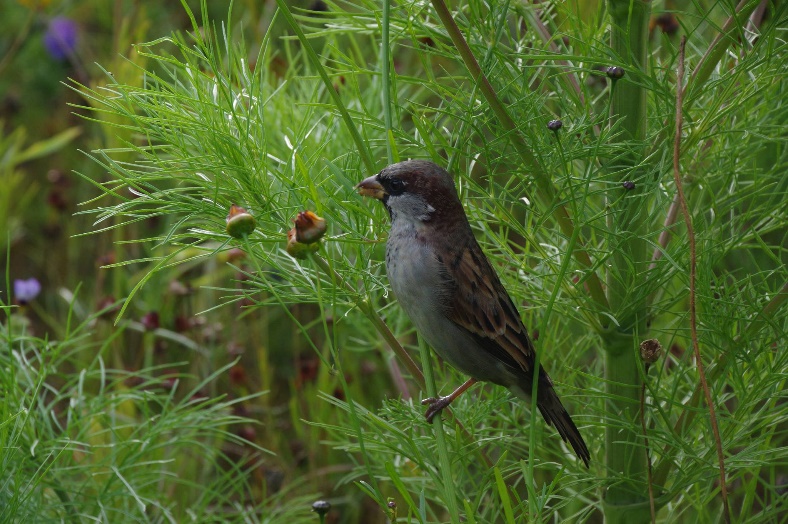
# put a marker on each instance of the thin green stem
(385, 71)
(337, 361)
(546, 190)
(450, 497)
(714, 372)
(651, 505)
(363, 150)
(366, 308)
(543, 328)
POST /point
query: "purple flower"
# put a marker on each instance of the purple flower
(26, 290)
(61, 37)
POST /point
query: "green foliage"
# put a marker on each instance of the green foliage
(215, 116)
(111, 444)
(211, 131)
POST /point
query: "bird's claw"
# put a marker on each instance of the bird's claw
(436, 405)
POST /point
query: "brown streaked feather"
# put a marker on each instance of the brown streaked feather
(483, 307)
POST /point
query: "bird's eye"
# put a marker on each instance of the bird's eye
(396, 185)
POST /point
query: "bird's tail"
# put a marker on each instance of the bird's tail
(554, 414)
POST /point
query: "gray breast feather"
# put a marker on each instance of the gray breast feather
(415, 277)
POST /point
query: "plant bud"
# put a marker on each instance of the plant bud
(392, 507)
(321, 507)
(615, 72)
(240, 222)
(309, 227)
(298, 249)
(555, 125)
(628, 185)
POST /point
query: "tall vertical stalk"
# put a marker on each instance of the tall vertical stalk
(626, 499)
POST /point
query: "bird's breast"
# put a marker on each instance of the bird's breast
(417, 277)
(413, 269)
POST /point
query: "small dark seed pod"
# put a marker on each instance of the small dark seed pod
(615, 72)
(628, 185)
(555, 125)
(321, 507)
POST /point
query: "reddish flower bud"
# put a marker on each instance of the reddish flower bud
(150, 321)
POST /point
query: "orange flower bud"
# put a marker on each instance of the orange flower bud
(309, 227)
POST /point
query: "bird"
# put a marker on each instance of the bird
(452, 294)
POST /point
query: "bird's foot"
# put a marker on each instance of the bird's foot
(436, 405)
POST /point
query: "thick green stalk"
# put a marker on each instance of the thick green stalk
(626, 499)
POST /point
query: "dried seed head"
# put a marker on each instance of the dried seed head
(650, 350)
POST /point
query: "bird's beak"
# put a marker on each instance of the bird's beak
(370, 187)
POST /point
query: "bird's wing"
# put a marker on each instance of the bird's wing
(480, 304)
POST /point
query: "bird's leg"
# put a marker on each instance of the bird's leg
(437, 404)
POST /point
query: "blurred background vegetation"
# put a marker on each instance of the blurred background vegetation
(157, 370)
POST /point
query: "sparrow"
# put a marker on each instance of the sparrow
(450, 291)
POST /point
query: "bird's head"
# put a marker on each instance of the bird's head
(415, 190)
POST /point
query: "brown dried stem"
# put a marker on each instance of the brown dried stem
(693, 278)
